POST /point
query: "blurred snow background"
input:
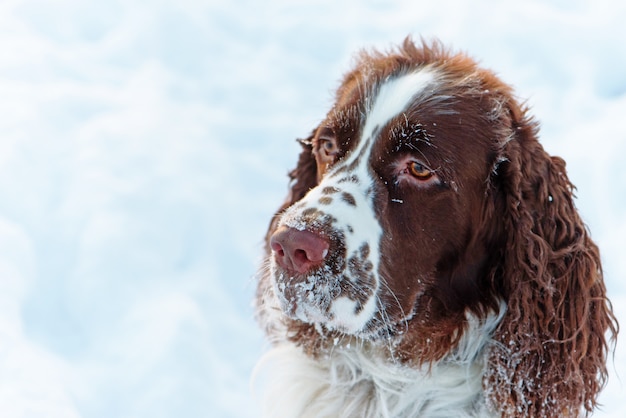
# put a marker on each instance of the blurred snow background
(144, 146)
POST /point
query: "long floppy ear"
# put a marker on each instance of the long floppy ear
(548, 358)
(303, 178)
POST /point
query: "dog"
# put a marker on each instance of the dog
(429, 260)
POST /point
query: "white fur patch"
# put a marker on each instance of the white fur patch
(343, 310)
(355, 380)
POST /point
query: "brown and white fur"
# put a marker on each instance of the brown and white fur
(429, 260)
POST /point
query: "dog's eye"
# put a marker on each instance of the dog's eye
(325, 151)
(420, 171)
(329, 146)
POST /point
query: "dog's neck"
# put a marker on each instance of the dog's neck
(355, 379)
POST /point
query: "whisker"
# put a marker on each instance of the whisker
(384, 283)
(386, 326)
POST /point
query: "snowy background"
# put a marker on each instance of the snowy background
(145, 144)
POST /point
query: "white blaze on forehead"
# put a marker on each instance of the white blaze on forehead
(393, 97)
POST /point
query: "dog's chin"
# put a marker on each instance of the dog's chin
(316, 299)
(328, 324)
(304, 312)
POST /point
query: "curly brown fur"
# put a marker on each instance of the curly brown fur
(551, 353)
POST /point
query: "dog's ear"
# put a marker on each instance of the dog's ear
(302, 179)
(304, 176)
(548, 358)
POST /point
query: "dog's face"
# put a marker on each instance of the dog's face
(403, 165)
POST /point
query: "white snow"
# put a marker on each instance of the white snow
(145, 145)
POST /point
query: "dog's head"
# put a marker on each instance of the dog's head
(395, 221)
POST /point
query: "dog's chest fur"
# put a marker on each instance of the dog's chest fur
(354, 379)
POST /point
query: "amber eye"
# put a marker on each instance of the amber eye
(420, 171)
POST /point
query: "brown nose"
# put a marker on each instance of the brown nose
(298, 251)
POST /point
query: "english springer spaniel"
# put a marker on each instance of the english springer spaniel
(429, 260)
